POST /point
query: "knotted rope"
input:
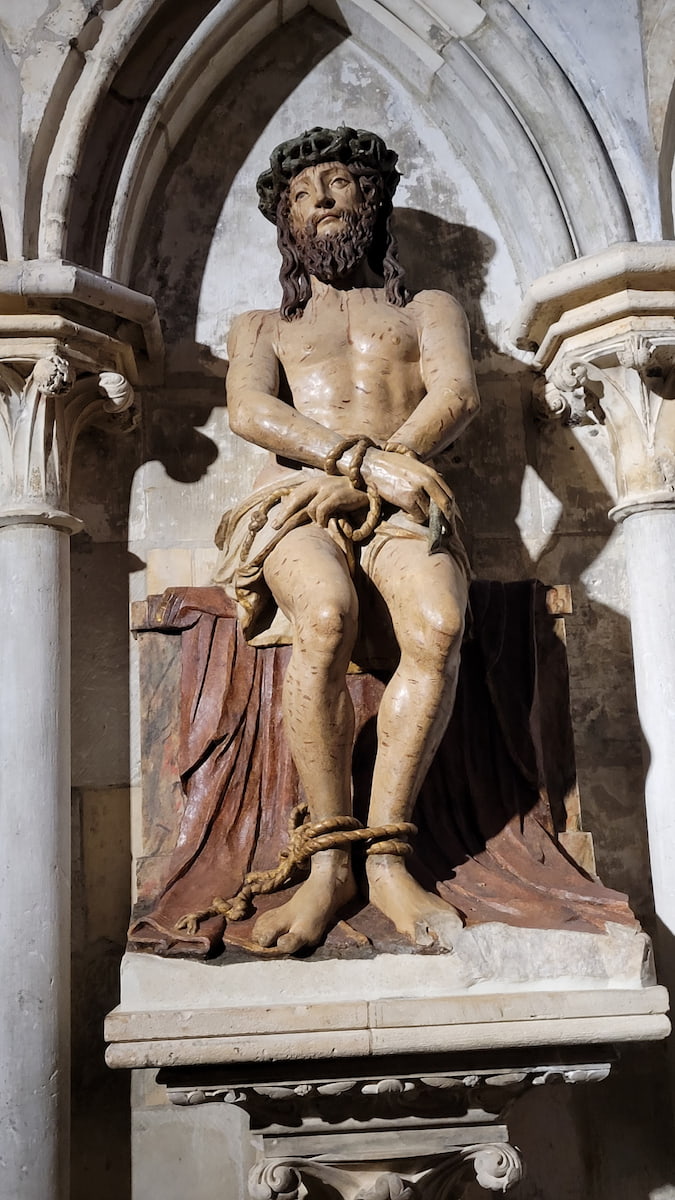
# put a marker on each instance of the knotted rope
(305, 839)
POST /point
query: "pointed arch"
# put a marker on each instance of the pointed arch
(487, 80)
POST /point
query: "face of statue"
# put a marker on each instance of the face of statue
(330, 220)
(321, 198)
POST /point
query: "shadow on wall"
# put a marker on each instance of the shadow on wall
(448, 257)
(487, 470)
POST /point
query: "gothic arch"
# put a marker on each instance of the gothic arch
(482, 74)
(667, 169)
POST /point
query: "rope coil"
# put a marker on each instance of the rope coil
(305, 839)
(360, 445)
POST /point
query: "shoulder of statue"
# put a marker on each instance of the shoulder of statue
(434, 305)
(256, 317)
(431, 299)
(260, 324)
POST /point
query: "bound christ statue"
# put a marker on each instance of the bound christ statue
(354, 387)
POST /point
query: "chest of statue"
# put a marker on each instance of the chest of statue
(358, 328)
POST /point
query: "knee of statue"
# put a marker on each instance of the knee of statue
(437, 628)
(325, 627)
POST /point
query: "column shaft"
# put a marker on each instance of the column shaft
(34, 861)
(650, 558)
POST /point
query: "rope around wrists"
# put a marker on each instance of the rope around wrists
(305, 839)
(360, 446)
(401, 448)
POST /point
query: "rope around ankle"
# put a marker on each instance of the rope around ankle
(305, 839)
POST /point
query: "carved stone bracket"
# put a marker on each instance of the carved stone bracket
(72, 345)
(494, 1166)
(601, 331)
(389, 1137)
(627, 383)
(43, 407)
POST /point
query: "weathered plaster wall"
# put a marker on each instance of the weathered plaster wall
(478, 217)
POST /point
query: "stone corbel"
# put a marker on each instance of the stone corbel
(44, 405)
(399, 1137)
(602, 333)
(496, 1166)
(72, 347)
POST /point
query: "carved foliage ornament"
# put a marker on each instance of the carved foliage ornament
(43, 408)
(495, 1166)
(628, 385)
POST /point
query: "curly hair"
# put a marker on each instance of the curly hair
(372, 227)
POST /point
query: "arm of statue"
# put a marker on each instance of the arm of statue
(256, 413)
(451, 399)
(450, 402)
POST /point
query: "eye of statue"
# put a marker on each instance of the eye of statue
(299, 195)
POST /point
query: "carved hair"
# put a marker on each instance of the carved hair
(380, 248)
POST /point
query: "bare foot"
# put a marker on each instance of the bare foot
(304, 919)
(419, 915)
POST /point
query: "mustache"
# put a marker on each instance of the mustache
(313, 223)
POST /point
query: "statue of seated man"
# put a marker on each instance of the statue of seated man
(353, 387)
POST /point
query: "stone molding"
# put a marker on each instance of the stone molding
(602, 332)
(380, 1137)
(176, 1013)
(72, 344)
(411, 1100)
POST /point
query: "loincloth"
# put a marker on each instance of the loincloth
(246, 538)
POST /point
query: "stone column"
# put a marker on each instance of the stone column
(602, 331)
(55, 375)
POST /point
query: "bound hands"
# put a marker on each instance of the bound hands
(399, 480)
(407, 483)
(320, 498)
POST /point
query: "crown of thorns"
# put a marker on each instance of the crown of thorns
(319, 145)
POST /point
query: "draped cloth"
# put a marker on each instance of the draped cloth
(488, 813)
(248, 533)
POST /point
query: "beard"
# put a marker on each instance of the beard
(335, 255)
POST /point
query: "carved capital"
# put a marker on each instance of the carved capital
(626, 383)
(72, 343)
(45, 401)
(495, 1166)
(603, 332)
(387, 1137)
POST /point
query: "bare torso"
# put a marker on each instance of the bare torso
(352, 362)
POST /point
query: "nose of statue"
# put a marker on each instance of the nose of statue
(325, 201)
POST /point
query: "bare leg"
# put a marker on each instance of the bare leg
(426, 596)
(309, 580)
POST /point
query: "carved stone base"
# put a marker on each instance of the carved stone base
(399, 1136)
(496, 1166)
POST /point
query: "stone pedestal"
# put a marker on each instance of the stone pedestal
(71, 344)
(383, 1078)
(602, 332)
